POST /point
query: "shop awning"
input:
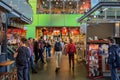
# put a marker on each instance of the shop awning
(103, 12)
(18, 9)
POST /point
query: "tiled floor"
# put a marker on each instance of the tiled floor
(47, 71)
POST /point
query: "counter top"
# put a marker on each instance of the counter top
(6, 63)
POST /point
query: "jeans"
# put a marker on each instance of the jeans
(48, 54)
(58, 55)
(29, 70)
(114, 74)
(71, 58)
(36, 55)
(41, 55)
(22, 72)
(32, 62)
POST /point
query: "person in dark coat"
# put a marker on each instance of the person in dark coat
(35, 42)
(111, 58)
(41, 47)
(22, 56)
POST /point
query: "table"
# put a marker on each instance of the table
(6, 63)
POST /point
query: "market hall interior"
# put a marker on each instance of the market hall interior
(86, 25)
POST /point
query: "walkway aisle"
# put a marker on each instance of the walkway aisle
(47, 71)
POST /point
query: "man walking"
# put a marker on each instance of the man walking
(58, 53)
(71, 50)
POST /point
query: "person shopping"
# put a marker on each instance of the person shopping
(22, 57)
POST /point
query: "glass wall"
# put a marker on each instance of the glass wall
(62, 6)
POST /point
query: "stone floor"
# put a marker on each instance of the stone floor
(47, 71)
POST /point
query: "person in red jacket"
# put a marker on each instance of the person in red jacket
(71, 50)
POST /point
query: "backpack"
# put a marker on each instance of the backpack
(23, 56)
(117, 62)
(71, 48)
(41, 44)
(58, 46)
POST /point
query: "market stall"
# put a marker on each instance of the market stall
(8, 14)
(102, 22)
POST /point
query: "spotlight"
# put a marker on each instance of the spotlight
(56, 2)
(70, 2)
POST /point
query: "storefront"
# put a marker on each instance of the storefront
(9, 13)
(63, 32)
(102, 22)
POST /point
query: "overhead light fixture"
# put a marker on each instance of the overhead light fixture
(83, 2)
(95, 16)
(56, 2)
(43, 2)
(11, 3)
(105, 9)
(117, 24)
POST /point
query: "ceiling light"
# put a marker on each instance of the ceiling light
(105, 9)
(56, 2)
(43, 2)
(83, 2)
(95, 16)
(70, 3)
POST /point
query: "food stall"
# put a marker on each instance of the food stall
(102, 22)
(8, 13)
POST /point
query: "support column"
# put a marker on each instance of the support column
(77, 6)
(5, 36)
(117, 29)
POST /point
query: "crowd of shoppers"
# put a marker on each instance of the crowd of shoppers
(30, 51)
(29, 48)
(24, 55)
